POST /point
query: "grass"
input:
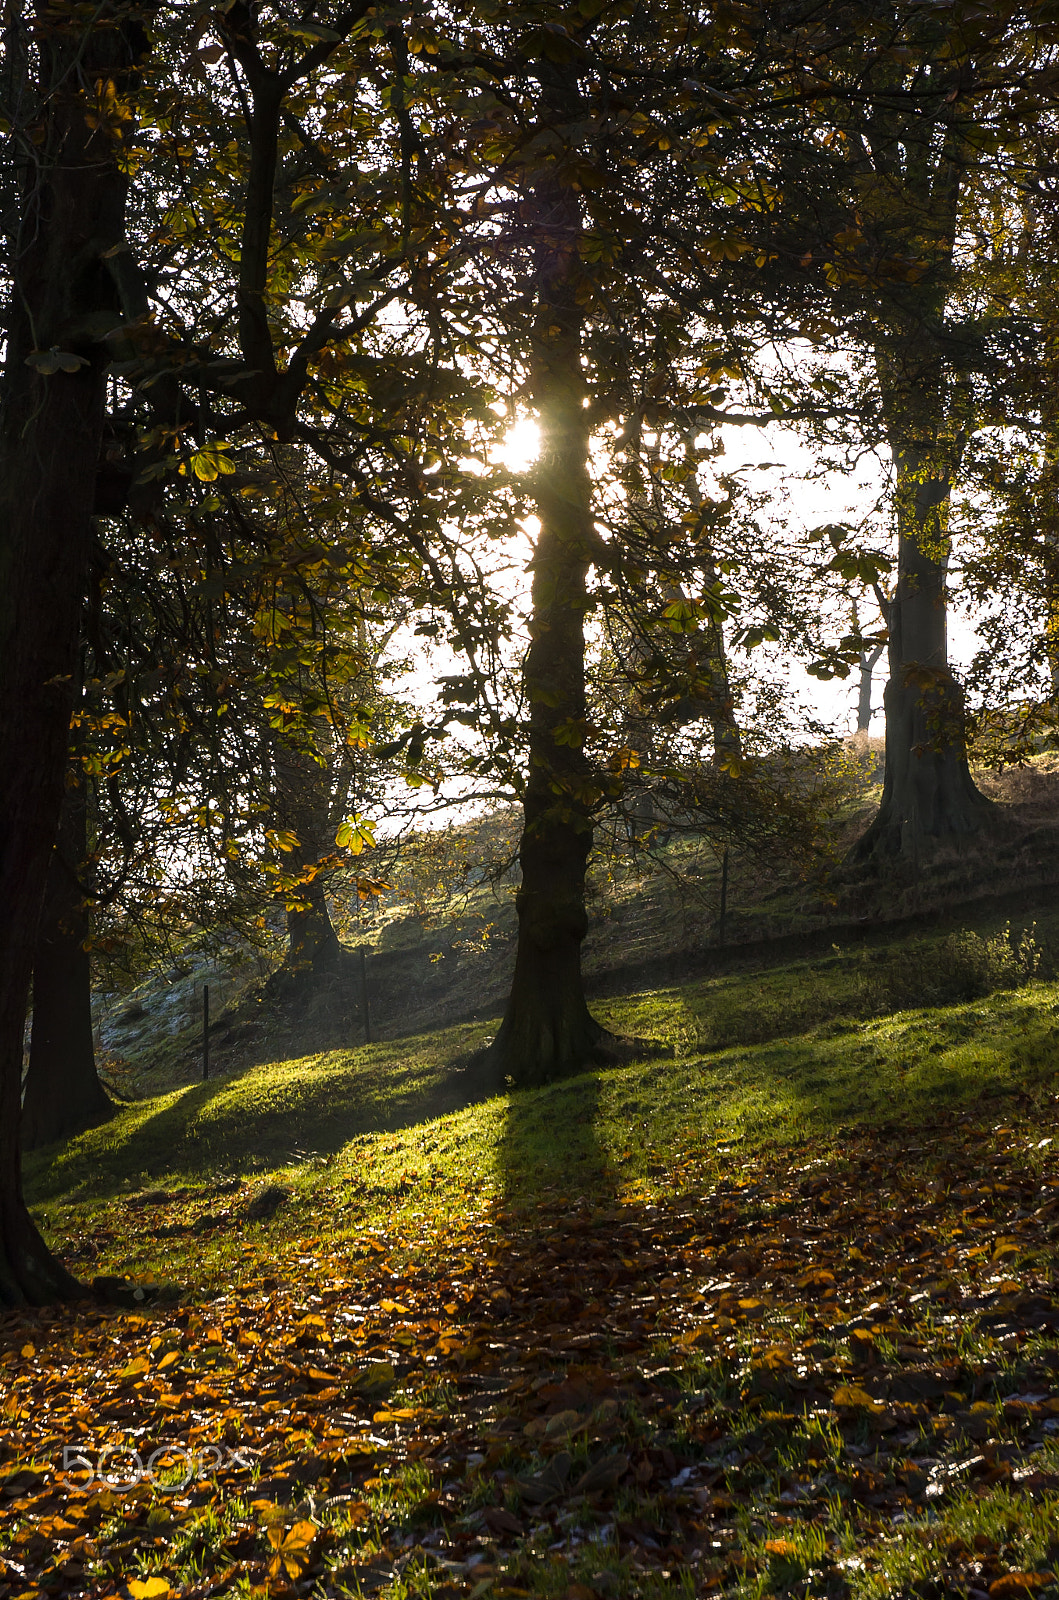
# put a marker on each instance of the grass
(913, 1067)
(362, 1135)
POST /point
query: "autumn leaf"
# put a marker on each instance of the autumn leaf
(849, 1395)
(54, 360)
(293, 1550)
(356, 835)
(375, 1380)
(209, 461)
(602, 1475)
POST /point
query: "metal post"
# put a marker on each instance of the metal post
(365, 1007)
(724, 898)
(205, 1031)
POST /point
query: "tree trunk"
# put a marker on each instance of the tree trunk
(866, 667)
(929, 799)
(547, 1028)
(72, 204)
(302, 806)
(63, 1094)
(711, 656)
(700, 657)
(313, 948)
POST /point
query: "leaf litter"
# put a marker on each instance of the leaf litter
(833, 1372)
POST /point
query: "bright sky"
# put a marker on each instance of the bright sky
(779, 460)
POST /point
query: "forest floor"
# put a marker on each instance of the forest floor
(778, 1315)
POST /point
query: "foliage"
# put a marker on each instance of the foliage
(774, 1342)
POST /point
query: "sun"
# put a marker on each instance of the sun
(521, 445)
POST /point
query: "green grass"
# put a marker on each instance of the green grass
(941, 1034)
(362, 1135)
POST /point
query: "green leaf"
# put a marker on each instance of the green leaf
(314, 33)
(356, 835)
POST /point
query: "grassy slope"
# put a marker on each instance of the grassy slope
(813, 1049)
(773, 1075)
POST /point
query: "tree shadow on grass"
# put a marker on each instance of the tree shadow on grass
(264, 1117)
(550, 1153)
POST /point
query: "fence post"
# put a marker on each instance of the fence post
(365, 1007)
(205, 1031)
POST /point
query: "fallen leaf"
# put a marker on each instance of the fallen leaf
(604, 1474)
(499, 1520)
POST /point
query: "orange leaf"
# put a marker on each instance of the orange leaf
(293, 1553)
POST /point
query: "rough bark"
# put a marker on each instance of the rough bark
(929, 798)
(72, 203)
(302, 807)
(547, 1028)
(63, 1094)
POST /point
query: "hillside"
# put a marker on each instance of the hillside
(439, 948)
(775, 1316)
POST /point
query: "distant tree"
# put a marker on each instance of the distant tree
(928, 134)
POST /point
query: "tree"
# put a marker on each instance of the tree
(78, 303)
(581, 118)
(63, 1093)
(867, 661)
(921, 140)
(67, 142)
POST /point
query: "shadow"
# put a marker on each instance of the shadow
(209, 1128)
(550, 1153)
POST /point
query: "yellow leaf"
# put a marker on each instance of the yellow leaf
(817, 1278)
(28, 1352)
(267, 1512)
(208, 462)
(293, 1555)
(781, 1547)
(149, 1588)
(850, 1395)
(303, 1533)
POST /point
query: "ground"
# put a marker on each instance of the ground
(776, 1315)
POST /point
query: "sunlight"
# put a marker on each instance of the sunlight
(521, 443)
